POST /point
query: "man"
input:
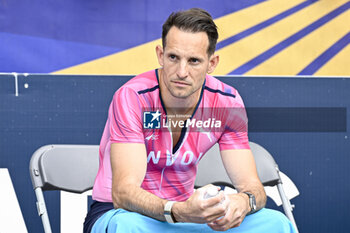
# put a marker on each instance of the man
(147, 169)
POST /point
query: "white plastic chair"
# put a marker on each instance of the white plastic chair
(211, 171)
(71, 168)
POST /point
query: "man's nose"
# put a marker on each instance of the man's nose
(182, 70)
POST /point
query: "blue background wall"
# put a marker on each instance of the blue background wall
(73, 109)
(256, 37)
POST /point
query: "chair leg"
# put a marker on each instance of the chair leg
(286, 205)
(42, 210)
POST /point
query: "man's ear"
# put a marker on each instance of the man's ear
(213, 62)
(160, 55)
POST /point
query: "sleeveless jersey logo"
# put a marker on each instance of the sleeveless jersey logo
(207, 133)
(185, 159)
(152, 137)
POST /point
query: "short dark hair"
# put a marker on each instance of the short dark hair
(193, 20)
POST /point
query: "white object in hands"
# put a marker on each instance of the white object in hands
(210, 192)
(213, 191)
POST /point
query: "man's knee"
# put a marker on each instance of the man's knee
(125, 221)
(271, 220)
(276, 216)
(122, 222)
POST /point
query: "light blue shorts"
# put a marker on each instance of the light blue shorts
(123, 221)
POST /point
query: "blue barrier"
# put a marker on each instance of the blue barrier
(312, 150)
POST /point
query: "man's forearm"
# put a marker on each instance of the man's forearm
(259, 193)
(260, 197)
(136, 199)
(129, 165)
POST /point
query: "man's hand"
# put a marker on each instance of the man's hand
(196, 209)
(238, 207)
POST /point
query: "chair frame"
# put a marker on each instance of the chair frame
(43, 166)
(212, 171)
(43, 179)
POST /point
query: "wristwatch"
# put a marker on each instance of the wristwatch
(252, 202)
(167, 212)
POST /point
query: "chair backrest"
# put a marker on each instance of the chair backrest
(211, 169)
(70, 168)
(265, 165)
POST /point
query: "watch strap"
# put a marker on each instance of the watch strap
(252, 202)
(167, 212)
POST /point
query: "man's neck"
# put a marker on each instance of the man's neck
(175, 105)
(183, 106)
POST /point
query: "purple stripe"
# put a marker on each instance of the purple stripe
(326, 56)
(264, 24)
(291, 40)
(171, 184)
(218, 91)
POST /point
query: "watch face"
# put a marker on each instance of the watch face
(252, 201)
(253, 206)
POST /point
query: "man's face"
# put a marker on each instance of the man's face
(185, 62)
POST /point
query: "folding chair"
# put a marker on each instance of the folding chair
(211, 171)
(71, 168)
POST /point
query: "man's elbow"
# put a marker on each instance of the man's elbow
(119, 197)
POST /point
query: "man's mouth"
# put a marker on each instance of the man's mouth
(180, 83)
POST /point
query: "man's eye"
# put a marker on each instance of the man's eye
(172, 57)
(194, 60)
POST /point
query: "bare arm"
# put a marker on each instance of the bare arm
(240, 167)
(129, 164)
